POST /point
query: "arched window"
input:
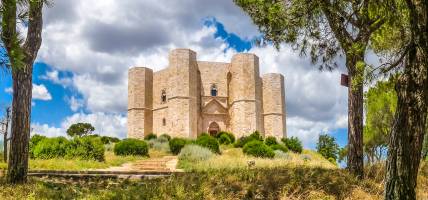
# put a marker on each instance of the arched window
(163, 96)
(213, 90)
(163, 122)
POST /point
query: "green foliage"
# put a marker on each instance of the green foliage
(176, 144)
(165, 136)
(159, 144)
(80, 129)
(293, 144)
(195, 153)
(51, 148)
(343, 154)
(228, 134)
(245, 139)
(258, 149)
(280, 147)
(85, 148)
(108, 140)
(327, 147)
(270, 141)
(224, 139)
(150, 136)
(131, 147)
(208, 142)
(34, 140)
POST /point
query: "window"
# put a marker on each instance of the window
(163, 122)
(213, 90)
(163, 96)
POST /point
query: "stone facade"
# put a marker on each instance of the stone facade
(190, 97)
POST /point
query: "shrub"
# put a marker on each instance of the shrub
(293, 144)
(150, 136)
(86, 148)
(176, 144)
(230, 135)
(108, 140)
(280, 147)
(165, 136)
(160, 144)
(208, 142)
(245, 139)
(195, 153)
(131, 147)
(51, 148)
(203, 134)
(224, 139)
(281, 155)
(328, 147)
(258, 149)
(270, 141)
(34, 140)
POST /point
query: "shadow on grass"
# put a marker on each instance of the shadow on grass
(225, 184)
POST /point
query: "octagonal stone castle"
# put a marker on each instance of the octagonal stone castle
(190, 97)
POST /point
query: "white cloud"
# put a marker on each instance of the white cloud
(40, 92)
(54, 77)
(75, 103)
(8, 90)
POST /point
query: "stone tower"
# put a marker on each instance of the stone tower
(190, 97)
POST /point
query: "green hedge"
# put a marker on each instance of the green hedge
(86, 148)
(131, 147)
(176, 144)
(208, 142)
(258, 149)
(50, 148)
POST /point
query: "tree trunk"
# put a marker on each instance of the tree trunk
(20, 134)
(5, 139)
(355, 117)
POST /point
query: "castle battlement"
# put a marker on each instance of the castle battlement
(190, 97)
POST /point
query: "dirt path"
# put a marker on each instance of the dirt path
(164, 164)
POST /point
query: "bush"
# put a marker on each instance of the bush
(224, 139)
(160, 144)
(293, 144)
(258, 149)
(165, 136)
(280, 147)
(208, 142)
(131, 147)
(281, 155)
(86, 148)
(230, 135)
(150, 136)
(328, 147)
(34, 140)
(203, 134)
(245, 139)
(176, 144)
(108, 140)
(270, 141)
(195, 153)
(51, 148)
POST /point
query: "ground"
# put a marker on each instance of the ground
(225, 176)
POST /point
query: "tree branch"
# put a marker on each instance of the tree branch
(34, 32)
(8, 33)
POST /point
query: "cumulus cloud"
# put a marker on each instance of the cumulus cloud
(97, 41)
(40, 92)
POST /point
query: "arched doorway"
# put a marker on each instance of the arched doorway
(213, 129)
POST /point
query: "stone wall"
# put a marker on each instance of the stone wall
(274, 105)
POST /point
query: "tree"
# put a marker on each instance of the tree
(328, 30)
(380, 105)
(21, 55)
(80, 129)
(5, 130)
(328, 147)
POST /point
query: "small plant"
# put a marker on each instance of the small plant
(281, 155)
(150, 136)
(270, 141)
(258, 149)
(293, 144)
(208, 142)
(230, 135)
(195, 153)
(224, 139)
(86, 148)
(176, 144)
(280, 147)
(131, 147)
(165, 136)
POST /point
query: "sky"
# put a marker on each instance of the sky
(80, 74)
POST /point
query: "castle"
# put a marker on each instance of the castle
(190, 97)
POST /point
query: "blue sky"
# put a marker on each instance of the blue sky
(80, 73)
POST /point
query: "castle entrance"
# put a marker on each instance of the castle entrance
(213, 129)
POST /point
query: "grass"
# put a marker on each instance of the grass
(68, 164)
